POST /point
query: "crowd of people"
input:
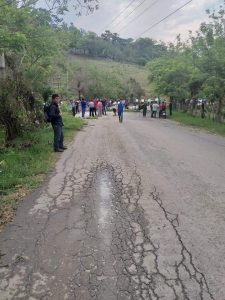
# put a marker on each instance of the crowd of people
(155, 108)
(98, 108)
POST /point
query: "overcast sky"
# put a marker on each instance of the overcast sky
(150, 12)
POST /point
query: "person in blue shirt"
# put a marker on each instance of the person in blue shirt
(120, 111)
(83, 107)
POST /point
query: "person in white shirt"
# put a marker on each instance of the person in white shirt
(155, 107)
(91, 108)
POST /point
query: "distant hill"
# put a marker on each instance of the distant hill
(104, 77)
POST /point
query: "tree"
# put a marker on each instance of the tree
(135, 89)
(195, 68)
(29, 44)
(79, 83)
(209, 49)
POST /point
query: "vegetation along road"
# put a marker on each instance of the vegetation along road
(131, 211)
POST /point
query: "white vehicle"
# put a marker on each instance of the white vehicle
(200, 101)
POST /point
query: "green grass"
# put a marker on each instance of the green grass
(123, 71)
(24, 165)
(206, 124)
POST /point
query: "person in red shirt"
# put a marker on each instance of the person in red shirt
(95, 106)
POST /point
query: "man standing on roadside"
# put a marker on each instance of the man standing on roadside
(83, 107)
(57, 124)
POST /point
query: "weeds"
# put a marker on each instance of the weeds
(25, 163)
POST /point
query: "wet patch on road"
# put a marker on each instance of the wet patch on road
(116, 246)
(119, 259)
(97, 243)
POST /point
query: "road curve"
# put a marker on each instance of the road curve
(131, 211)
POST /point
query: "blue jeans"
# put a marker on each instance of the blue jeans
(153, 115)
(83, 112)
(58, 136)
(120, 117)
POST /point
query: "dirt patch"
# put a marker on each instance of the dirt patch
(9, 205)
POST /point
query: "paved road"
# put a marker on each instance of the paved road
(131, 211)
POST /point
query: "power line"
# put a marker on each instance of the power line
(120, 14)
(157, 23)
(131, 12)
(150, 6)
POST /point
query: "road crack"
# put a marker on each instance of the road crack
(186, 263)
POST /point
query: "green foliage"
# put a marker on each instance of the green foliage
(172, 76)
(106, 79)
(206, 124)
(111, 46)
(31, 155)
(30, 44)
(195, 68)
(135, 89)
(46, 93)
(34, 42)
(25, 163)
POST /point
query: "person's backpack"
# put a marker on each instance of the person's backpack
(47, 116)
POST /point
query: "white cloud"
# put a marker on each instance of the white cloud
(189, 18)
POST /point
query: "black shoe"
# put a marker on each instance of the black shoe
(63, 148)
(58, 150)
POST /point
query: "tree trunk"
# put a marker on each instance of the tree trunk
(219, 110)
(12, 127)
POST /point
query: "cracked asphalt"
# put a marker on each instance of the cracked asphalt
(131, 211)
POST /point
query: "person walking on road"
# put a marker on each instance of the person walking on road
(99, 109)
(83, 107)
(120, 111)
(57, 124)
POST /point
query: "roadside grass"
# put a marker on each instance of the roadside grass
(206, 124)
(27, 161)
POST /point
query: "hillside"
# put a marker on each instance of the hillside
(99, 77)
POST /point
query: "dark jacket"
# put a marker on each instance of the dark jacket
(54, 113)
